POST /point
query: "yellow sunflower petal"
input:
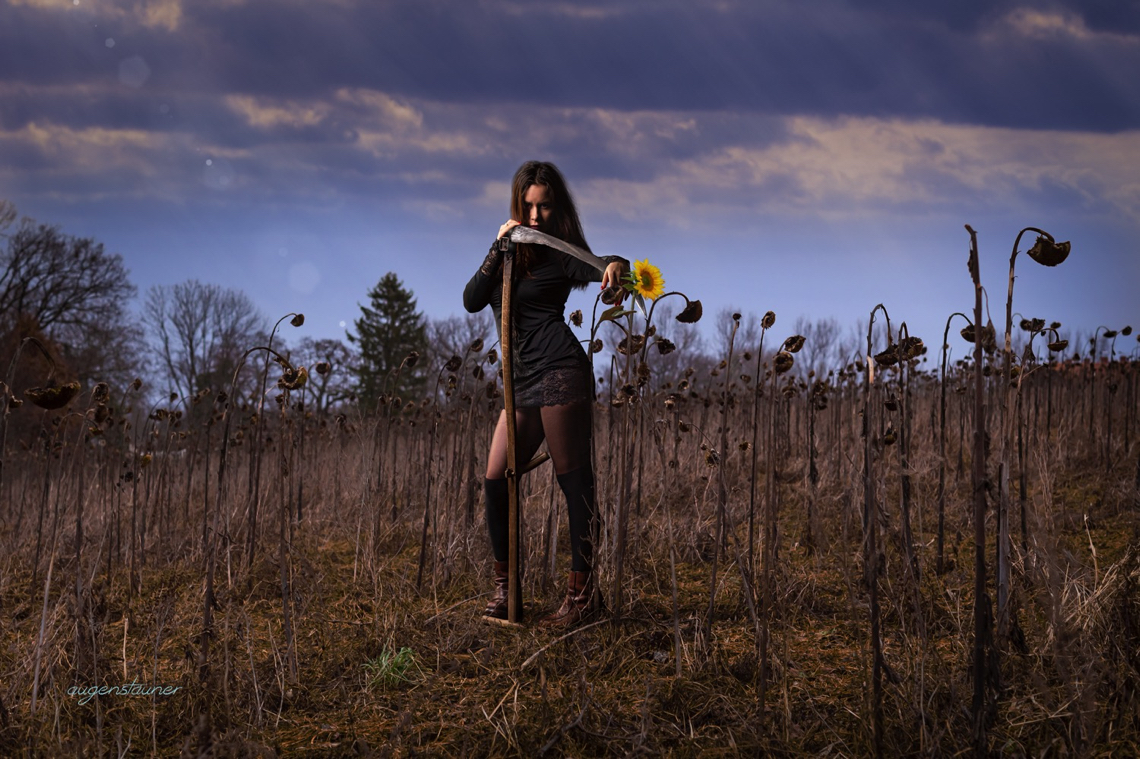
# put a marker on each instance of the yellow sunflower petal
(649, 282)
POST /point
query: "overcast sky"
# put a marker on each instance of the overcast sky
(814, 158)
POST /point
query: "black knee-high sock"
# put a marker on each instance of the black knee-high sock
(578, 486)
(498, 507)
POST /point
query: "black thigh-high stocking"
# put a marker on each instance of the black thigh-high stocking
(568, 430)
(579, 489)
(498, 506)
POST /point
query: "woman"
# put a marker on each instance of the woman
(553, 382)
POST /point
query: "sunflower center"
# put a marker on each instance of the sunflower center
(647, 280)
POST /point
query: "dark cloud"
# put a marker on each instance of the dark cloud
(958, 62)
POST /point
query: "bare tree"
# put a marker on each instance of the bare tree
(332, 371)
(74, 292)
(200, 333)
(822, 348)
(452, 336)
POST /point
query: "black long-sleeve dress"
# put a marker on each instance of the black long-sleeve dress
(550, 366)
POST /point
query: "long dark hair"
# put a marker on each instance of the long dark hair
(564, 223)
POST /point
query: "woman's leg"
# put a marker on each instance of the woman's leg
(568, 430)
(528, 436)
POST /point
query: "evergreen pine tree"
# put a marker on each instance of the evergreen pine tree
(388, 330)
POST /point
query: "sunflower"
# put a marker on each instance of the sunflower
(646, 280)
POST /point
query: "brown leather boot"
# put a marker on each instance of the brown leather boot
(497, 606)
(576, 606)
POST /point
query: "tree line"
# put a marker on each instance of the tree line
(73, 299)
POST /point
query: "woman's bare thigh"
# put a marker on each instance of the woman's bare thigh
(528, 436)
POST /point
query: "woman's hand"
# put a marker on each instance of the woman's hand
(507, 227)
(611, 277)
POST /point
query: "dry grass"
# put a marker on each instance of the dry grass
(1070, 676)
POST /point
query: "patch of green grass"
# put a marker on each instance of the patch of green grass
(391, 668)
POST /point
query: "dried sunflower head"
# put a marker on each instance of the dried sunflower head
(293, 379)
(453, 364)
(1049, 253)
(1058, 345)
(54, 396)
(911, 347)
(101, 393)
(628, 346)
(297, 320)
(664, 346)
(476, 346)
(768, 320)
(794, 343)
(692, 312)
(576, 317)
(783, 362)
(323, 367)
(889, 357)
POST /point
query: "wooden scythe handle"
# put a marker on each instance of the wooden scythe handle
(514, 553)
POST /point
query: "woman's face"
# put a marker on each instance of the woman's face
(537, 208)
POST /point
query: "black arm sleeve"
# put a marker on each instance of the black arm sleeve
(580, 271)
(477, 294)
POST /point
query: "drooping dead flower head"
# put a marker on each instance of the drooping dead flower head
(794, 343)
(691, 313)
(768, 320)
(453, 364)
(323, 367)
(783, 362)
(910, 348)
(101, 393)
(889, 357)
(1049, 253)
(631, 346)
(297, 320)
(1058, 345)
(293, 379)
(576, 317)
(664, 346)
(52, 397)
(611, 294)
